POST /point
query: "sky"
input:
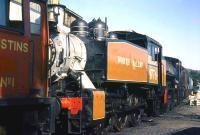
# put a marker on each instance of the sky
(173, 23)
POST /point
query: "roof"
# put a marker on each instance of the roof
(137, 35)
(172, 59)
(66, 9)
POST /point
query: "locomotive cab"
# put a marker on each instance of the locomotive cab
(23, 68)
(23, 48)
(154, 50)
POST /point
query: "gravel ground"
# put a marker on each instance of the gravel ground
(183, 120)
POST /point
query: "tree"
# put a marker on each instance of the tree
(195, 75)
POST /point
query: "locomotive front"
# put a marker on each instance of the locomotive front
(68, 53)
(67, 61)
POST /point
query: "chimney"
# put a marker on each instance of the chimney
(53, 1)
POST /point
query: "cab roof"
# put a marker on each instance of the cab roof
(66, 9)
(128, 34)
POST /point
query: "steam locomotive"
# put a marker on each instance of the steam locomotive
(117, 75)
(84, 80)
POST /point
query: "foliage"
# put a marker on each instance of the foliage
(195, 75)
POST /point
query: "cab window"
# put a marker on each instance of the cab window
(3, 7)
(11, 14)
(153, 50)
(35, 18)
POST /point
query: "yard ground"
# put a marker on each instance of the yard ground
(183, 120)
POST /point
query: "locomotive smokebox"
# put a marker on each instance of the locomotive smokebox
(79, 27)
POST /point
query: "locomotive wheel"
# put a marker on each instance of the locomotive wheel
(116, 124)
(2, 130)
(98, 130)
(112, 123)
(130, 100)
(122, 122)
(134, 119)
